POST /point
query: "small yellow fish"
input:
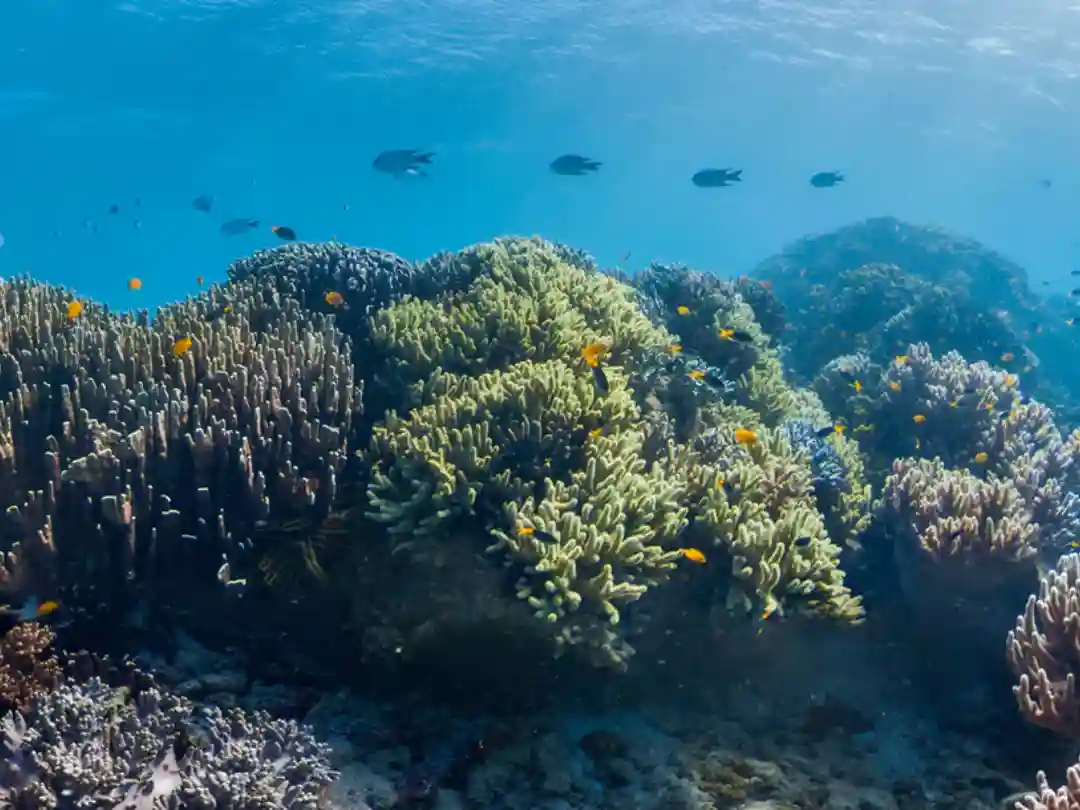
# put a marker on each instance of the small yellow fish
(955, 403)
(1010, 380)
(591, 354)
(334, 299)
(900, 359)
(182, 346)
(596, 433)
(74, 310)
(694, 555)
(894, 385)
(981, 457)
(720, 481)
(674, 348)
(918, 418)
(682, 310)
(134, 284)
(745, 436)
(857, 386)
(696, 374)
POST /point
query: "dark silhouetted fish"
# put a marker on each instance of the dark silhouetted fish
(235, 227)
(284, 233)
(204, 202)
(574, 165)
(114, 209)
(403, 162)
(716, 178)
(826, 179)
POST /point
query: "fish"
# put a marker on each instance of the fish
(284, 233)
(114, 209)
(595, 434)
(826, 179)
(857, 386)
(217, 312)
(736, 334)
(1009, 381)
(1075, 292)
(334, 299)
(694, 555)
(600, 380)
(674, 348)
(716, 178)
(1074, 272)
(181, 346)
(402, 162)
(901, 359)
(1007, 357)
(591, 353)
(918, 418)
(696, 374)
(745, 436)
(134, 284)
(529, 531)
(574, 165)
(74, 310)
(200, 280)
(31, 609)
(235, 227)
(204, 203)
(682, 309)
(1070, 321)
(894, 385)
(802, 542)
(981, 457)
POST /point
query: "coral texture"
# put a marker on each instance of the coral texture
(28, 665)
(89, 746)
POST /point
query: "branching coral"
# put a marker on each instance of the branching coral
(525, 302)
(28, 666)
(1044, 650)
(85, 745)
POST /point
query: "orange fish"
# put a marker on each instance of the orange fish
(1007, 357)
(529, 531)
(894, 385)
(334, 299)
(696, 374)
(1009, 381)
(745, 436)
(74, 310)
(918, 418)
(592, 353)
(134, 284)
(47, 608)
(182, 346)
(694, 555)
(981, 457)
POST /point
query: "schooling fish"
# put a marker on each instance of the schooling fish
(574, 165)
(402, 162)
(716, 178)
(284, 233)
(826, 179)
(235, 227)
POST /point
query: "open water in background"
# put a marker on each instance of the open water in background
(947, 112)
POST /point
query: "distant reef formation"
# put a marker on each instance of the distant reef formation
(345, 458)
(878, 285)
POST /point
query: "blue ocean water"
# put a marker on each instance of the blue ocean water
(949, 113)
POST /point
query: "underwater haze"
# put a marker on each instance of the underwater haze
(949, 112)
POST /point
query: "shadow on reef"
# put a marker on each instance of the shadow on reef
(506, 482)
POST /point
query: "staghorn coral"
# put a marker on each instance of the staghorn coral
(86, 746)
(1044, 652)
(524, 302)
(126, 464)
(28, 667)
(759, 507)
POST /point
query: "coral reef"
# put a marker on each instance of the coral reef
(84, 745)
(28, 665)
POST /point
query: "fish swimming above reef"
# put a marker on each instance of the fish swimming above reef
(716, 178)
(826, 179)
(204, 203)
(403, 162)
(235, 227)
(284, 233)
(31, 609)
(574, 165)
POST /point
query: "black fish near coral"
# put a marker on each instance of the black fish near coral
(403, 162)
(284, 233)
(574, 165)
(716, 178)
(600, 380)
(826, 179)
